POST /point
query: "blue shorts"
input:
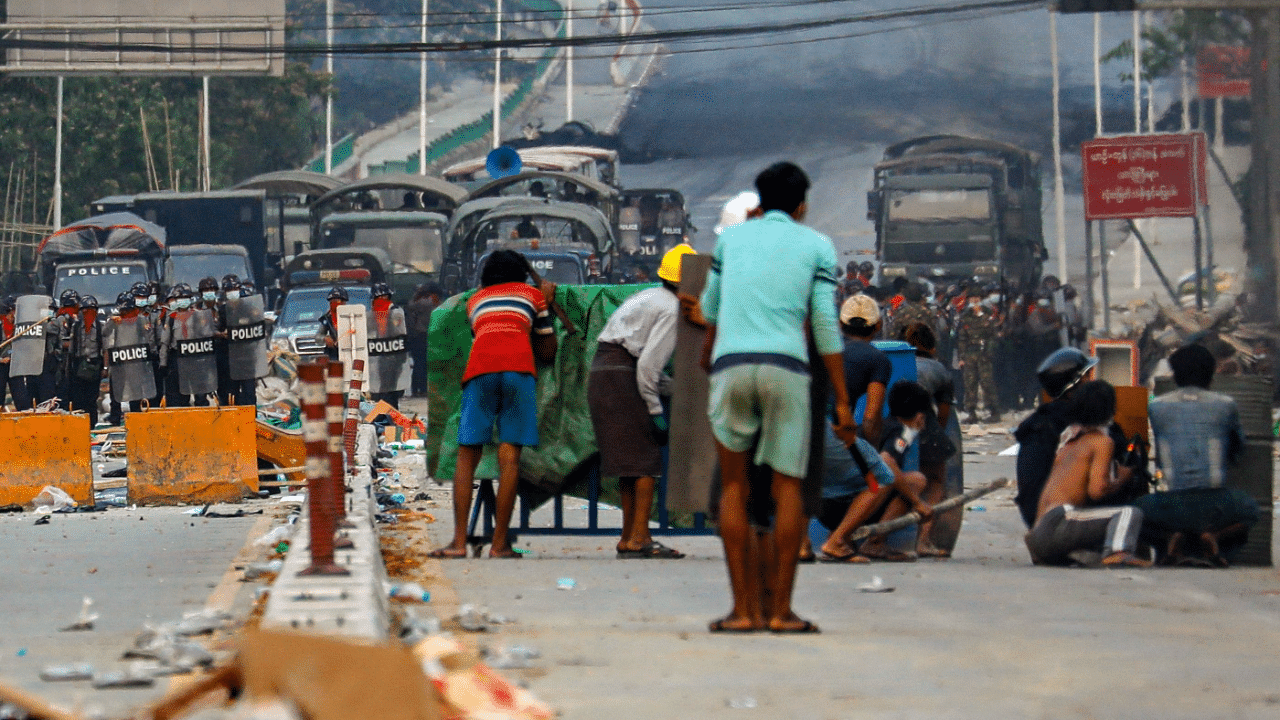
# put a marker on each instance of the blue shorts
(510, 399)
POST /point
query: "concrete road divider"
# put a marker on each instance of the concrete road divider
(191, 455)
(45, 449)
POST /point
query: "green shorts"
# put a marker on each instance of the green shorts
(765, 405)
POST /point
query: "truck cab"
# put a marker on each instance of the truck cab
(189, 263)
(949, 208)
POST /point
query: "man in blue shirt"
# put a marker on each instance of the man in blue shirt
(769, 277)
(1197, 434)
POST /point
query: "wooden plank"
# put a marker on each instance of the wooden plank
(692, 451)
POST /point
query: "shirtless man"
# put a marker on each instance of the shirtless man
(1082, 476)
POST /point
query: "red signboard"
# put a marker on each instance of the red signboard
(1223, 71)
(1137, 176)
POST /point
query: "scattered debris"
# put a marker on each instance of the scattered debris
(66, 673)
(202, 622)
(134, 677)
(410, 591)
(43, 520)
(86, 618)
(514, 657)
(745, 702)
(52, 499)
(256, 570)
(276, 536)
(875, 586)
(566, 584)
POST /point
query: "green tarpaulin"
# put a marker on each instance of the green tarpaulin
(564, 422)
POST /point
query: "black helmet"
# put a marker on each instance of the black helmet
(1063, 369)
(247, 288)
(182, 290)
(173, 293)
(124, 301)
(337, 293)
(230, 281)
(88, 301)
(69, 298)
(866, 268)
(381, 290)
(139, 289)
(208, 283)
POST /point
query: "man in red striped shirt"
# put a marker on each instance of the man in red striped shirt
(512, 332)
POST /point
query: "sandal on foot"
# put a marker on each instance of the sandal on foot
(851, 558)
(722, 626)
(804, 628)
(652, 551)
(889, 555)
(446, 553)
(504, 554)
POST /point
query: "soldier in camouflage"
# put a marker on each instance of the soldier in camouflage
(912, 310)
(976, 337)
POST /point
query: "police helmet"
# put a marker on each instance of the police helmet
(866, 268)
(69, 298)
(230, 281)
(182, 290)
(173, 293)
(124, 301)
(88, 301)
(247, 289)
(1063, 369)
(208, 283)
(337, 293)
(139, 289)
(381, 290)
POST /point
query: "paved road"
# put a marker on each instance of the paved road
(980, 636)
(141, 567)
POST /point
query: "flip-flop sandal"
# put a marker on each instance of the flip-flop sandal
(505, 555)
(653, 551)
(804, 628)
(721, 626)
(888, 555)
(852, 558)
(446, 554)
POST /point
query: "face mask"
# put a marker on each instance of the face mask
(152, 299)
(209, 295)
(182, 303)
(909, 435)
(141, 302)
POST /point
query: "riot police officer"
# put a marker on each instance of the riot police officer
(86, 359)
(128, 341)
(187, 350)
(388, 374)
(58, 337)
(230, 284)
(244, 320)
(27, 366)
(328, 332)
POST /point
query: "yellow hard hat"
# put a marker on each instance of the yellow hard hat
(669, 270)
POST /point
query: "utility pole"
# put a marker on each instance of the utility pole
(422, 99)
(328, 99)
(497, 80)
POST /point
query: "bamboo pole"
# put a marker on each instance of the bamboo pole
(912, 518)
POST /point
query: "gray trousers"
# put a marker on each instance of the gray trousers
(1065, 529)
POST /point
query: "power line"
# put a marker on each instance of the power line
(651, 36)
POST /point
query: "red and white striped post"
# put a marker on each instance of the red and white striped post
(321, 500)
(337, 473)
(353, 411)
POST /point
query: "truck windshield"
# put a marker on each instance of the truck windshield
(417, 246)
(939, 205)
(104, 281)
(306, 306)
(191, 269)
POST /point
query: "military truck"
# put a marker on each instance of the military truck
(948, 208)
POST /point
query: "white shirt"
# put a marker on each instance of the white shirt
(646, 326)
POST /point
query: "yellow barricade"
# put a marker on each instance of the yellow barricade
(191, 455)
(44, 449)
(282, 448)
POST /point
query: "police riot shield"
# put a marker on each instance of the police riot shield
(246, 337)
(388, 353)
(629, 229)
(191, 351)
(129, 355)
(29, 348)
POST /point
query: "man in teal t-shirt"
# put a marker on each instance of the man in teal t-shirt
(769, 277)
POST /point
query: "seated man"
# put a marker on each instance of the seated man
(1083, 476)
(526, 229)
(861, 487)
(1197, 433)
